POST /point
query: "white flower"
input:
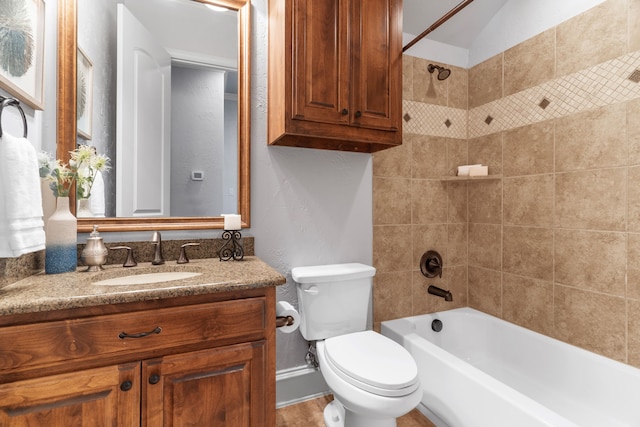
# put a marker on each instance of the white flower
(45, 164)
(83, 165)
(87, 163)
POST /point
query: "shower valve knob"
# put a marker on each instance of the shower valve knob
(431, 264)
(434, 264)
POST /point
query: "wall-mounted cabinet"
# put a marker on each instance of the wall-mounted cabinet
(335, 74)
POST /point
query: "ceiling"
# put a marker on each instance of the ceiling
(460, 30)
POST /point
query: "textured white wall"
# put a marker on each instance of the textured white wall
(308, 206)
(45, 131)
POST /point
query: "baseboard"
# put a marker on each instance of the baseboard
(298, 384)
(437, 421)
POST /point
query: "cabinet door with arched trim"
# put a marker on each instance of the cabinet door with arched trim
(321, 61)
(214, 387)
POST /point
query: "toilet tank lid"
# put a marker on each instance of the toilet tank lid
(332, 272)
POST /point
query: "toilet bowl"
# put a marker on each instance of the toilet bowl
(374, 379)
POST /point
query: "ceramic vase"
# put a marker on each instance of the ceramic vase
(61, 253)
(84, 209)
(48, 201)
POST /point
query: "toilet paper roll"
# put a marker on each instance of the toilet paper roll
(285, 309)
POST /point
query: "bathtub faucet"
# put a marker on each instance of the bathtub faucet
(434, 290)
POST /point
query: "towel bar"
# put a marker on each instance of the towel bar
(14, 103)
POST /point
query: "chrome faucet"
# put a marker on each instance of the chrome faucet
(158, 259)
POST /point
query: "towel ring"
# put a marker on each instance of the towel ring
(13, 103)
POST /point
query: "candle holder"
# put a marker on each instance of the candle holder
(232, 248)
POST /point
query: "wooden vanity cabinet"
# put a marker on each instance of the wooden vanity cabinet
(335, 74)
(212, 363)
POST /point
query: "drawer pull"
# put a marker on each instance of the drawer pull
(126, 386)
(124, 335)
(154, 379)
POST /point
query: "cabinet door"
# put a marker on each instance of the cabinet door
(214, 387)
(96, 397)
(377, 67)
(321, 56)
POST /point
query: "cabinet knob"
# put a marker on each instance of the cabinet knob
(358, 114)
(126, 386)
(154, 379)
(345, 111)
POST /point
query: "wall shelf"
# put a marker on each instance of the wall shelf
(471, 178)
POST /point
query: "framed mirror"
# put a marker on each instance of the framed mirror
(69, 62)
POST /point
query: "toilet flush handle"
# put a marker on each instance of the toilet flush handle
(313, 290)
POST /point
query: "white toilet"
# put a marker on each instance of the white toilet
(374, 380)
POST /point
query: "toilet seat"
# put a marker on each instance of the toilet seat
(372, 362)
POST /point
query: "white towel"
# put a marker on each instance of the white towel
(96, 201)
(21, 225)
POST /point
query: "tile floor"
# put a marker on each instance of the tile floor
(309, 414)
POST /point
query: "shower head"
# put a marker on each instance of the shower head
(443, 73)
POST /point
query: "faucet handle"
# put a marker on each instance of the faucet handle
(431, 264)
(182, 259)
(130, 262)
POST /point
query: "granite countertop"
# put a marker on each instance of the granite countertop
(48, 292)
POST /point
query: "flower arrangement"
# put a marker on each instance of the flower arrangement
(83, 166)
(87, 163)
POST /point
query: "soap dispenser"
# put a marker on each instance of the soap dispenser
(94, 254)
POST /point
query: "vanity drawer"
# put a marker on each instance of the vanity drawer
(45, 344)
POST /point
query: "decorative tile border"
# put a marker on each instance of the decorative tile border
(434, 120)
(604, 84)
(607, 83)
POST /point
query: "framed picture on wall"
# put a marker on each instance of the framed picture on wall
(84, 94)
(22, 50)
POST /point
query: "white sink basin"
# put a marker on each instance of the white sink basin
(144, 279)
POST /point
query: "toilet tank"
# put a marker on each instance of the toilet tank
(333, 299)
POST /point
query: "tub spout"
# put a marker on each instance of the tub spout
(434, 290)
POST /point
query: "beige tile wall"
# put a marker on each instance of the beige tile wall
(414, 209)
(554, 243)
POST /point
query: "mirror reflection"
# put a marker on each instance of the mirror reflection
(157, 92)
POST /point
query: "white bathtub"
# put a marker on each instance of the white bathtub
(480, 371)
